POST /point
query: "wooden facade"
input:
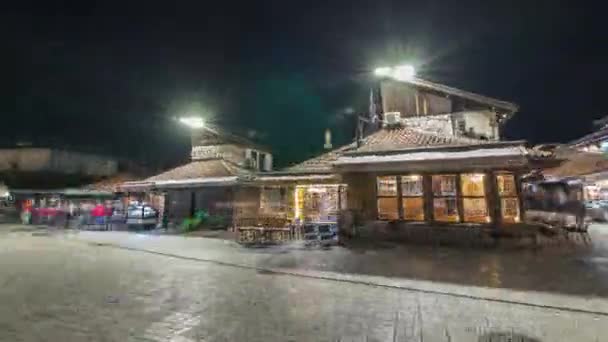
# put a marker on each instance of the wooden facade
(364, 198)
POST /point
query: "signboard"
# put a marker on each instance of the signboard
(205, 152)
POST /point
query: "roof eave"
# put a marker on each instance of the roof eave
(439, 148)
(507, 106)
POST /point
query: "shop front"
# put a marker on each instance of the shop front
(476, 185)
(449, 198)
(303, 203)
(291, 203)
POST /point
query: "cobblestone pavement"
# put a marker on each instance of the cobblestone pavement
(66, 287)
(571, 267)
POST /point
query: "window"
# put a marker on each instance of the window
(445, 208)
(412, 198)
(387, 198)
(474, 205)
(509, 202)
(461, 127)
(272, 200)
(422, 104)
(262, 162)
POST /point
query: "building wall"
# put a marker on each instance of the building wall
(30, 159)
(478, 124)
(398, 97)
(230, 152)
(401, 97)
(234, 153)
(361, 197)
(246, 205)
(58, 161)
(216, 201)
(439, 124)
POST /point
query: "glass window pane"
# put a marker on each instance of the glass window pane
(444, 185)
(387, 208)
(510, 209)
(271, 200)
(475, 210)
(413, 208)
(506, 185)
(387, 186)
(472, 184)
(445, 209)
(411, 185)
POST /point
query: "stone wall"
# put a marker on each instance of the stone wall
(438, 124)
(479, 123)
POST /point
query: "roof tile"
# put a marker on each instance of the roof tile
(401, 138)
(200, 169)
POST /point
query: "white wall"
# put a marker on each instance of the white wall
(438, 124)
(480, 122)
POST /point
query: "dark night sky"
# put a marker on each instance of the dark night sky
(109, 76)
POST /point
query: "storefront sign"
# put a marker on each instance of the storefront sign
(205, 152)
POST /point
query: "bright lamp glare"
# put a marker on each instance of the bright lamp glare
(193, 122)
(384, 71)
(404, 72)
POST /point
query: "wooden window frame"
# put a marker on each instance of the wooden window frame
(456, 197)
(485, 196)
(402, 196)
(396, 197)
(516, 196)
(399, 198)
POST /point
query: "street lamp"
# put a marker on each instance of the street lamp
(195, 122)
(404, 72)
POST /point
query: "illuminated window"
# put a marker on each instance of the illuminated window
(412, 198)
(474, 205)
(387, 198)
(411, 201)
(509, 203)
(445, 208)
(272, 199)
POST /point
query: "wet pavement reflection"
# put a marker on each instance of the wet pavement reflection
(571, 267)
(57, 288)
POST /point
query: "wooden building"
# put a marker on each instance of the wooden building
(433, 154)
(403, 174)
(218, 180)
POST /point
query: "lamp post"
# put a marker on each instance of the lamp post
(404, 72)
(195, 122)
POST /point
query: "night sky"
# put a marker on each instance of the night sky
(110, 77)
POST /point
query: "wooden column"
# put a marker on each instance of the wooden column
(493, 199)
(459, 200)
(520, 198)
(427, 192)
(399, 198)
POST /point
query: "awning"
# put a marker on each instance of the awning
(197, 182)
(513, 156)
(295, 178)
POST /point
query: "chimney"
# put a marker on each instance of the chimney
(327, 145)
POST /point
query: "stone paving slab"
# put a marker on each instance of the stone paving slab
(229, 253)
(55, 288)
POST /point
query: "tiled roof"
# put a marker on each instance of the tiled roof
(200, 169)
(402, 138)
(591, 138)
(111, 184)
(579, 164)
(321, 163)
